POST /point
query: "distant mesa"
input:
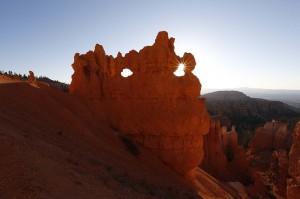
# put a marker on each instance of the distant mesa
(226, 95)
(154, 107)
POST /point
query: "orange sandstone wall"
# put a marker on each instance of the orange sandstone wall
(153, 106)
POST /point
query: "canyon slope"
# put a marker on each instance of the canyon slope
(246, 113)
(55, 145)
(263, 170)
(112, 137)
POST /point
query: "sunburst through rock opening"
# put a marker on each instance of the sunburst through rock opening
(126, 72)
(180, 70)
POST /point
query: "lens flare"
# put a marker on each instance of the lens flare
(180, 70)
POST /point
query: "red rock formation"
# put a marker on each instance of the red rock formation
(215, 161)
(240, 189)
(209, 187)
(153, 106)
(230, 144)
(273, 136)
(31, 77)
(236, 159)
(279, 171)
(224, 158)
(268, 155)
(293, 187)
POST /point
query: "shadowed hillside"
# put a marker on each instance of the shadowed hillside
(54, 145)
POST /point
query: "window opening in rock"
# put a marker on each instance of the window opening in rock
(126, 72)
(180, 70)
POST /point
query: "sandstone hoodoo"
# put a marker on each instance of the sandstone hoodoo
(268, 154)
(279, 171)
(224, 158)
(31, 77)
(152, 106)
(215, 161)
(273, 136)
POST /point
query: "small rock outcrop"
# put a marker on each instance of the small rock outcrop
(31, 78)
(293, 184)
(152, 106)
(273, 136)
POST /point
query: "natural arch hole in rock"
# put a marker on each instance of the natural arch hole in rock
(180, 70)
(126, 72)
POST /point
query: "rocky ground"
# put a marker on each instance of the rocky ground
(53, 145)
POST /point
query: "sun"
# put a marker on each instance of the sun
(180, 70)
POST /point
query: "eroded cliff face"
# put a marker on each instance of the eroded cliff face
(293, 184)
(153, 106)
(273, 136)
(224, 158)
(268, 153)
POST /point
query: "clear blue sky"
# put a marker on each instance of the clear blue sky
(237, 43)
